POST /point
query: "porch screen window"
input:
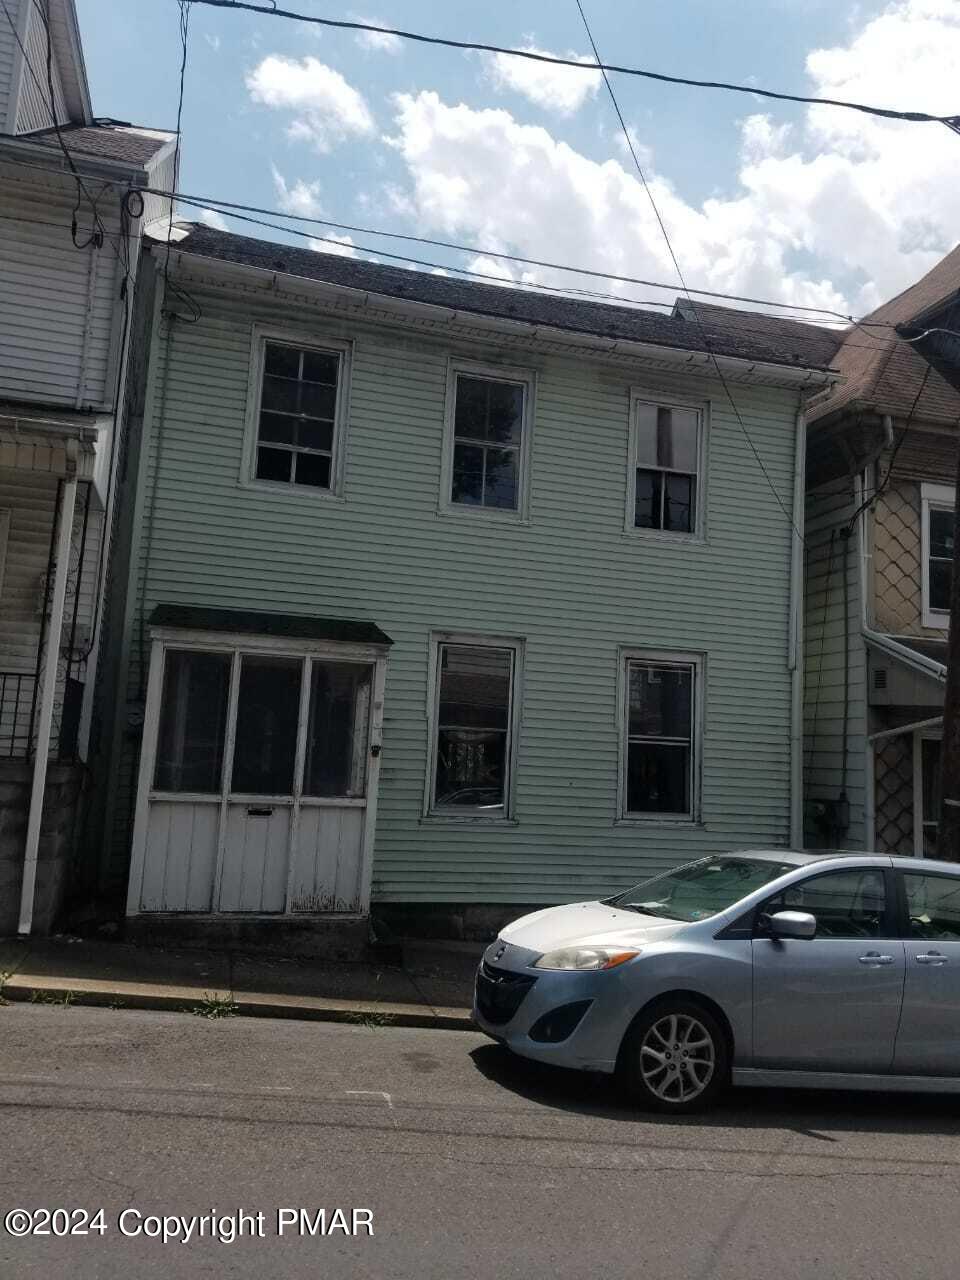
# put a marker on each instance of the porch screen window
(666, 454)
(487, 444)
(660, 746)
(193, 716)
(297, 420)
(268, 706)
(338, 729)
(940, 559)
(472, 732)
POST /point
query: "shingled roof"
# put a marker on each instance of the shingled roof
(743, 335)
(883, 371)
(104, 141)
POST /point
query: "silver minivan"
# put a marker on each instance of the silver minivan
(767, 968)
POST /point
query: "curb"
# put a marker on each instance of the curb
(364, 1014)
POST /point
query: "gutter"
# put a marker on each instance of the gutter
(408, 308)
(795, 637)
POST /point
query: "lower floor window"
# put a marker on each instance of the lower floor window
(660, 747)
(472, 748)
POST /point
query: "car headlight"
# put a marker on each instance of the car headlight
(584, 958)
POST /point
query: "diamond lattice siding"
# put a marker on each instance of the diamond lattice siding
(894, 795)
(897, 563)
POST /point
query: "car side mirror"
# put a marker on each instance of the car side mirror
(790, 924)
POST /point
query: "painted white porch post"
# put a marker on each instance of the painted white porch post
(48, 688)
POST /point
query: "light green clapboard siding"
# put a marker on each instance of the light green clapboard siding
(828, 511)
(572, 583)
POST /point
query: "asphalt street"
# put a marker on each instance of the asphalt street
(471, 1163)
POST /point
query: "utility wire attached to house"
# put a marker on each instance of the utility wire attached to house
(887, 113)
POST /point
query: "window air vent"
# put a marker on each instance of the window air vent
(880, 678)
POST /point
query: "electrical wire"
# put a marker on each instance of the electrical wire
(888, 113)
(666, 236)
(184, 45)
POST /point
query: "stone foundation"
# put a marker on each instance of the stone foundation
(463, 922)
(60, 807)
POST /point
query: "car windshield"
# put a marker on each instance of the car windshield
(701, 889)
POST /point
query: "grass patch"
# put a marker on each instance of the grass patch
(62, 999)
(211, 1006)
(370, 1019)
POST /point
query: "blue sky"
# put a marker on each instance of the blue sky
(810, 208)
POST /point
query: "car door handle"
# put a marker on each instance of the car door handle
(876, 960)
(931, 957)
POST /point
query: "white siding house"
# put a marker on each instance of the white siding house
(64, 321)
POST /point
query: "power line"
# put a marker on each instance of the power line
(888, 113)
(184, 45)
(666, 236)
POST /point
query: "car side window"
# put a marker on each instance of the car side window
(846, 904)
(933, 906)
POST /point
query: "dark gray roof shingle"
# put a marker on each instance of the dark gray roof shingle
(289, 626)
(124, 143)
(728, 332)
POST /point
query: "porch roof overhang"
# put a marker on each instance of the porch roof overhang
(49, 441)
(281, 626)
(925, 657)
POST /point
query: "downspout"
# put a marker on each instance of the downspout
(795, 638)
(48, 682)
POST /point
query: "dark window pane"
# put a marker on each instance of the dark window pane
(941, 534)
(471, 408)
(282, 395)
(282, 362)
(506, 413)
(647, 511)
(313, 469)
(500, 479)
(941, 575)
(317, 401)
(278, 428)
(273, 464)
(266, 736)
(474, 687)
(193, 714)
(934, 907)
(646, 435)
(318, 366)
(658, 778)
(661, 701)
(467, 474)
(314, 435)
(678, 503)
(470, 768)
(847, 904)
(336, 762)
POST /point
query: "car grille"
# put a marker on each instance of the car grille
(500, 993)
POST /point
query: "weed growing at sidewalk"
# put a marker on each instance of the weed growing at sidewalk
(4, 975)
(211, 1006)
(371, 1019)
(62, 999)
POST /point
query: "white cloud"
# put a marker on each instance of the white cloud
(341, 245)
(326, 109)
(378, 41)
(301, 197)
(841, 211)
(560, 89)
(210, 218)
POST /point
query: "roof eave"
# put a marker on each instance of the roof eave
(73, 65)
(744, 369)
(14, 148)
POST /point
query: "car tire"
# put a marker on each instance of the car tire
(675, 1058)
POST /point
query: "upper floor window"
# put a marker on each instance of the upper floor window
(296, 441)
(937, 502)
(660, 751)
(487, 439)
(666, 455)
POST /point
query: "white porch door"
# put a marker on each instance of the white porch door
(259, 782)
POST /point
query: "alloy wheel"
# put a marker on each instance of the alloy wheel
(677, 1058)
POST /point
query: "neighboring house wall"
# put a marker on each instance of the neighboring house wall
(8, 56)
(571, 582)
(58, 306)
(33, 109)
(835, 669)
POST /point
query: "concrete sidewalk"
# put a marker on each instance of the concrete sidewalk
(430, 987)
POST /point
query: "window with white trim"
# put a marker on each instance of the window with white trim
(937, 503)
(660, 737)
(664, 493)
(298, 415)
(473, 731)
(487, 439)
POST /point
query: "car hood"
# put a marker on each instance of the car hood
(589, 923)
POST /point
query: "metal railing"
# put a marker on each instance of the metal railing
(17, 711)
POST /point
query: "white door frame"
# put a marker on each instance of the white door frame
(237, 645)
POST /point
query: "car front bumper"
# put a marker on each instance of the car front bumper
(511, 997)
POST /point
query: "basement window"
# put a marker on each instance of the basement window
(296, 438)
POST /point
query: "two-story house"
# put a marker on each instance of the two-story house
(446, 598)
(71, 215)
(882, 467)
